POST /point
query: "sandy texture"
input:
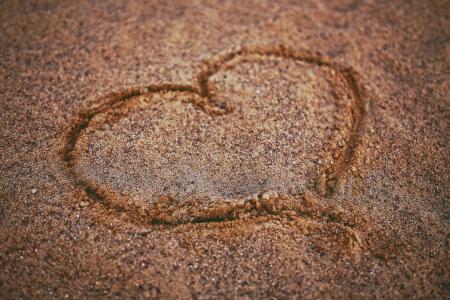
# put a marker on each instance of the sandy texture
(225, 149)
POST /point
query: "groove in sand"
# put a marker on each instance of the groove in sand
(157, 215)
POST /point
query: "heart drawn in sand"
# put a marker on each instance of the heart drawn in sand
(261, 125)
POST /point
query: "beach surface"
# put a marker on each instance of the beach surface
(209, 149)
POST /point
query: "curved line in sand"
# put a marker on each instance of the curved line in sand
(135, 214)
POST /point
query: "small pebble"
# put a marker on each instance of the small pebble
(33, 191)
(357, 238)
(283, 196)
(84, 204)
(309, 199)
(266, 196)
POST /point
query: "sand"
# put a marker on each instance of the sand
(225, 150)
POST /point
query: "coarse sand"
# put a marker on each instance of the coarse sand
(225, 149)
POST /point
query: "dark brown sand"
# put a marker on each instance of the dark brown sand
(225, 149)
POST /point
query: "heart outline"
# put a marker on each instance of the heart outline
(211, 104)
